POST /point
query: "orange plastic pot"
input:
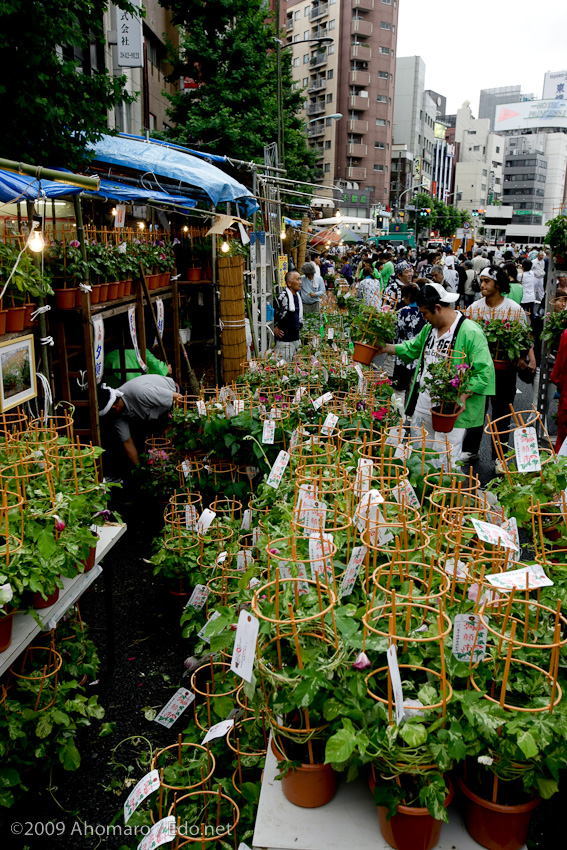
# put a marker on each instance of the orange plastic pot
(364, 353)
(164, 278)
(443, 422)
(411, 828)
(310, 786)
(127, 287)
(3, 317)
(38, 602)
(6, 623)
(15, 319)
(95, 294)
(194, 274)
(121, 288)
(495, 826)
(113, 291)
(65, 299)
(103, 293)
(28, 321)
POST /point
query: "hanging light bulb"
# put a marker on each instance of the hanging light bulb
(141, 225)
(36, 243)
(225, 247)
(338, 215)
(185, 229)
(283, 234)
(114, 211)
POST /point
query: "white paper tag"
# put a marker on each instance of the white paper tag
(256, 532)
(180, 700)
(302, 586)
(294, 439)
(320, 555)
(352, 571)
(238, 406)
(246, 520)
(380, 531)
(251, 472)
(218, 730)
(368, 509)
(191, 516)
(201, 408)
(493, 534)
(143, 789)
(252, 365)
(254, 582)
(330, 334)
(186, 468)
(221, 558)
(244, 559)
(284, 570)
(527, 450)
(205, 520)
(465, 637)
(277, 470)
(245, 646)
(198, 597)
(360, 373)
(275, 414)
(160, 833)
(395, 436)
(344, 358)
(299, 393)
(201, 634)
(363, 478)
(563, 450)
(281, 363)
(305, 496)
(404, 492)
(268, 432)
(323, 399)
(403, 452)
(530, 577)
(396, 683)
(329, 424)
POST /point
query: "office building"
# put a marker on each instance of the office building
(478, 171)
(491, 98)
(415, 114)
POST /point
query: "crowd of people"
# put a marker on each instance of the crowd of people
(439, 296)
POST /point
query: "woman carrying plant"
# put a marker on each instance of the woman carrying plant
(445, 331)
(506, 326)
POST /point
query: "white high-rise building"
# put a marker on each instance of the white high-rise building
(478, 171)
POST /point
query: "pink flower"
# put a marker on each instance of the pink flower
(162, 257)
(462, 367)
(455, 382)
(473, 592)
(74, 243)
(274, 551)
(379, 414)
(362, 661)
(59, 524)
(278, 397)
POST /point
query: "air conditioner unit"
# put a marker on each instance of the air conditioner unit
(515, 152)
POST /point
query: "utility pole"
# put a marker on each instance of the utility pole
(281, 155)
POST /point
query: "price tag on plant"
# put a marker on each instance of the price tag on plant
(323, 399)
(344, 358)
(363, 478)
(160, 833)
(198, 597)
(246, 520)
(305, 496)
(403, 452)
(201, 408)
(294, 439)
(299, 393)
(281, 363)
(219, 730)
(256, 532)
(359, 372)
(191, 517)
(238, 406)
(180, 700)
(493, 534)
(146, 785)
(186, 468)
(469, 638)
(404, 492)
(395, 436)
(320, 556)
(251, 472)
(526, 578)
(510, 526)
(201, 635)
(245, 646)
(275, 414)
(284, 570)
(329, 424)
(527, 450)
(278, 469)
(252, 365)
(302, 586)
(268, 432)
(394, 671)
(367, 512)
(352, 571)
(221, 558)
(379, 531)
(244, 560)
(205, 521)
(330, 334)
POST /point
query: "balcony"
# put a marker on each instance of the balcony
(360, 78)
(319, 174)
(360, 27)
(355, 126)
(360, 51)
(355, 173)
(355, 149)
(319, 59)
(365, 5)
(356, 102)
(316, 130)
(319, 153)
(316, 108)
(319, 11)
(289, 24)
(322, 32)
(318, 85)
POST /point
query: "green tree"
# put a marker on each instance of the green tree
(50, 109)
(228, 48)
(443, 217)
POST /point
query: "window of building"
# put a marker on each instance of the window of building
(305, 82)
(484, 172)
(296, 62)
(152, 118)
(379, 145)
(329, 98)
(328, 122)
(385, 51)
(378, 166)
(391, 78)
(331, 48)
(306, 35)
(388, 124)
(483, 187)
(476, 148)
(297, 15)
(380, 122)
(330, 74)
(387, 146)
(393, 52)
(327, 167)
(387, 2)
(305, 58)
(381, 98)
(385, 25)
(497, 150)
(383, 75)
(328, 144)
(295, 85)
(332, 24)
(297, 37)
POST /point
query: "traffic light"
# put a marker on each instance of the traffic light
(425, 212)
(474, 213)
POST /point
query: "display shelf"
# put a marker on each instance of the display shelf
(25, 626)
(349, 820)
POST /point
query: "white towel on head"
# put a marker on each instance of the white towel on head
(291, 303)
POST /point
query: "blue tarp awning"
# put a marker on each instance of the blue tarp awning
(116, 191)
(19, 187)
(213, 157)
(294, 222)
(174, 163)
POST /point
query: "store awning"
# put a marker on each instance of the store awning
(115, 191)
(18, 187)
(176, 164)
(212, 157)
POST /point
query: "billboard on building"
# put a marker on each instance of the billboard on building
(530, 114)
(439, 130)
(554, 85)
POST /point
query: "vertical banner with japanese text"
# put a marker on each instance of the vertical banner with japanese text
(98, 346)
(134, 336)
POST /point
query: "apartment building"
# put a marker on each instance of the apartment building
(478, 172)
(415, 114)
(353, 77)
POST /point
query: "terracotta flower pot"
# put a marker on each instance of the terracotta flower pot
(121, 284)
(364, 353)
(552, 533)
(495, 826)
(165, 277)
(38, 602)
(310, 786)
(95, 294)
(78, 297)
(113, 291)
(15, 319)
(103, 293)
(65, 299)
(6, 623)
(411, 828)
(3, 317)
(502, 365)
(127, 288)
(194, 274)
(443, 422)
(28, 321)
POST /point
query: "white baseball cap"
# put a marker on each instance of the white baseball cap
(444, 295)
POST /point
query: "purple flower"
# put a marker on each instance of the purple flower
(362, 662)
(360, 405)
(278, 397)
(455, 382)
(462, 367)
(262, 398)
(59, 524)
(274, 551)
(74, 243)
(176, 241)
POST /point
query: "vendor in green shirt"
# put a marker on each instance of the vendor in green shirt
(446, 330)
(112, 368)
(516, 292)
(387, 270)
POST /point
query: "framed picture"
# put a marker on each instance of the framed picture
(17, 372)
